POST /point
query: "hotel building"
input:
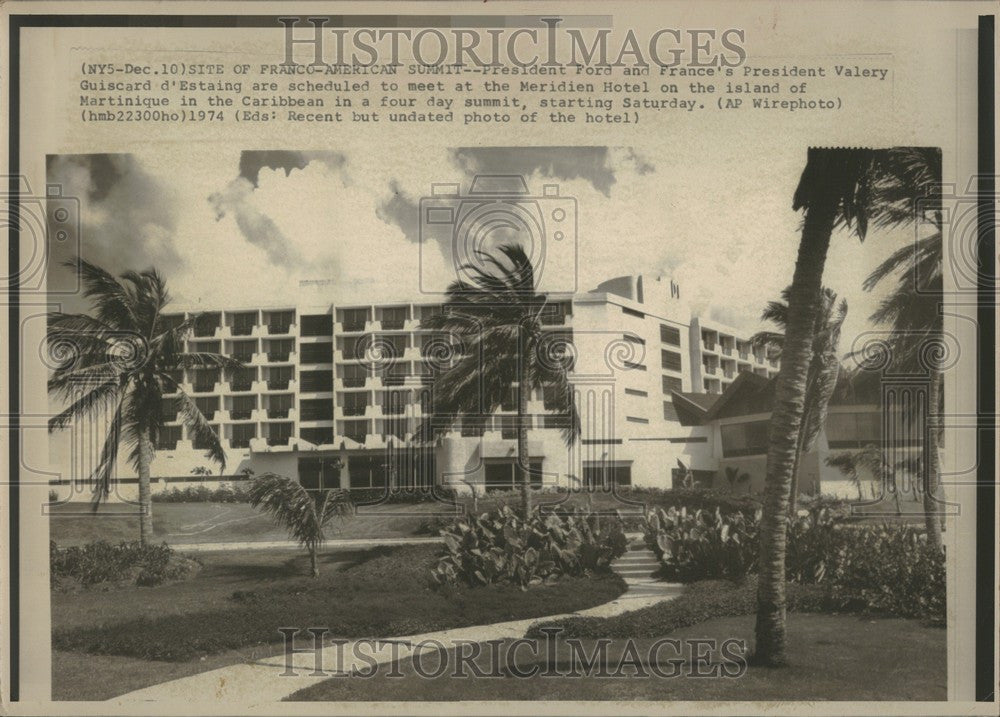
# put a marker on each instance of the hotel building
(332, 394)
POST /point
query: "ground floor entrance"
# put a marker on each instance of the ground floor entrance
(503, 473)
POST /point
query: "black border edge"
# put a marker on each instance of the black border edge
(13, 356)
(986, 526)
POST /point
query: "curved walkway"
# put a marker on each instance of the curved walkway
(266, 681)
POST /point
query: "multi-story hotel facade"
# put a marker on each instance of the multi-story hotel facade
(333, 394)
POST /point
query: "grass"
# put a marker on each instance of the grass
(184, 523)
(833, 657)
(231, 610)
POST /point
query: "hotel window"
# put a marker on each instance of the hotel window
(242, 407)
(316, 381)
(356, 430)
(316, 353)
(205, 380)
(208, 405)
(394, 402)
(244, 350)
(206, 324)
(242, 379)
(354, 375)
(555, 421)
(393, 319)
(317, 325)
(280, 349)
(671, 360)
(243, 323)
(669, 412)
(633, 366)
(670, 335)
(355, 319)
(508, 426)
(672, 383)
(853, 430)
(632, 312)
(317, 409)
(241, 435)
(635, 339)
(279, 405)
(279, 377)
(744, 439)
(355, 404)
(635, 419)
(278, 434)
(167, 440)
(635, 392)
(280, 322)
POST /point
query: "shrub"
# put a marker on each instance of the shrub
(702, 544)
(104, 563)
(502, 547)
(880, 568)
(892, 569)
(225, 493)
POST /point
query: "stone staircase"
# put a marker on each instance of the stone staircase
(638, 564)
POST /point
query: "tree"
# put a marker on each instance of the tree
(735, 478)
(824, 368)
(496, 322)
(839, 187)
(303, 513)
(913, 309)
(120, 362)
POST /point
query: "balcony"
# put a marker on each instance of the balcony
(354, 381)
(710, 370)
(278, 384)
(278, 356)
(244, 356)
(357, 436)
(241, 385)
(728, 373)
(204, 386)
(709, 345)
(727, 350)
(355, 327)
(358, 410)
(393, 324)
(279, 329)
(278, 412)
(240, 442)
(744, 356)
(278, 440)
(242, 415)
(241, 330)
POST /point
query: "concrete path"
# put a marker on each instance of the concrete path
(262, 683)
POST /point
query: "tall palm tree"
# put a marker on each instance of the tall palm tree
(303, 513)
(120, 361)
(496, 318)
(839, 187)
(912, 310)
(823, 369)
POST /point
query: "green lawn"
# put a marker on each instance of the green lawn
(833, 657)
(180, 523)
(230, 612)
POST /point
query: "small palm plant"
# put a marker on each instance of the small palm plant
(735, 478)
(303, 513)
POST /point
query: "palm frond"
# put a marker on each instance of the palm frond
(200, 428)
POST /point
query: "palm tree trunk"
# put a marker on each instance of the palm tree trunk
(521, 469)
(786, 422)
(145, 492)
(933, 461)
(800, 444)
(313, 562)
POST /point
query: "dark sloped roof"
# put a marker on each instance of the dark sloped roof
(692, 407)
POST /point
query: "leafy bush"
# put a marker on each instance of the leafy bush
(892, 569)
(881, 568)
(226, 493)
(502, 547)
(702, 544)
(104, 563)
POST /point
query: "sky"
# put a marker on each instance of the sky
(243, 228)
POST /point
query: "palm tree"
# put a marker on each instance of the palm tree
(912, 310)
(303, 513)
(496, 319)
(839, 187)
(823, 369)
(120, 362)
